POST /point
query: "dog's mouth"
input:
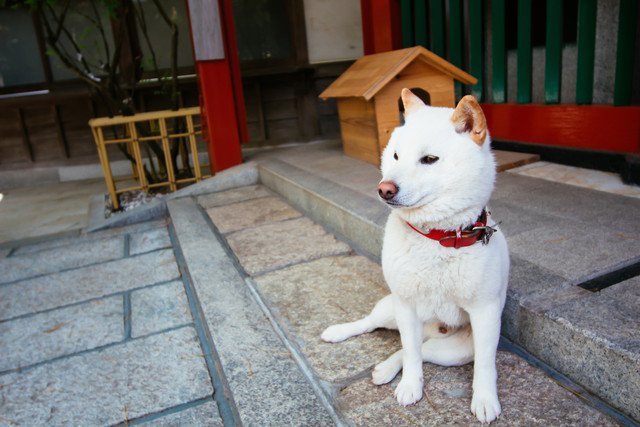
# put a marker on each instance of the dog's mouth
(417, 204)
(393, 204)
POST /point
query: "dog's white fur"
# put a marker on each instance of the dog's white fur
(432, 285)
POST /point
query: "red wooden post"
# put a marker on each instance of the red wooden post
(221, 100)
(381, 31)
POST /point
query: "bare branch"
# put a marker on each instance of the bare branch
(70, 37)
(102, 31)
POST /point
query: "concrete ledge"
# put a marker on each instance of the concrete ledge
(242, 175)
(351, 215)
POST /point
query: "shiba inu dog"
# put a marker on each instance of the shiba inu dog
(443, 258)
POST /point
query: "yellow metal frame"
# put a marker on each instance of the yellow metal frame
(133, 140)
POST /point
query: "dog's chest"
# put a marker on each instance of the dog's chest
(438, 279)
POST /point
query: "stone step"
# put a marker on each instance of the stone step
(260, 380)
(254, 261)
(559, 237)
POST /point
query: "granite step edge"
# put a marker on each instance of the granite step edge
(229, 306)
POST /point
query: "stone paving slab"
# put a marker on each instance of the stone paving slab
(55, 290)
(159, 307)
(148, 241)
(592, 249)
(30, 246)
(267, 386)
(514, 220)
(527, 396)
(57, 259)
(279, 244)
(627, 291)
(60, 332)
(310, 297)
(203, 415)
(105, 387)
(251, 213)
(235, 195)
(578, 204)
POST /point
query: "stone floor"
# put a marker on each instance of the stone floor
(220, 324)
(97, 330)
(213, 316)
(44, 210)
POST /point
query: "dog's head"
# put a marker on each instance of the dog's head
(439, 163)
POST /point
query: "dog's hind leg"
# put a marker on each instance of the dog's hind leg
(382, 316)
(453, 350)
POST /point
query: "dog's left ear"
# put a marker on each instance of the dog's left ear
(410, 102)
(469, 118)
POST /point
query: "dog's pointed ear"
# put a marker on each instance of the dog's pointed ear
(469, 118)
(411, 102)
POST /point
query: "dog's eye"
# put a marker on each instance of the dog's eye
(429, 159)
(395, 156)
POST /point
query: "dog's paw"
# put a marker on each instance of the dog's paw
(409, 391)
(336, 333)
(384, 372)
(486, 407)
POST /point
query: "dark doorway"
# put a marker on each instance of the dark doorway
(420, 93)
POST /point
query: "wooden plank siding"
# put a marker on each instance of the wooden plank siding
(358, 129)
(285, 108)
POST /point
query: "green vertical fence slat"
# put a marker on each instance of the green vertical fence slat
(586, 50)
(524, 52)
(437, 27)
(420, 19)
(553, 52)
(476, 67)
(455, 38)
(499, 70)
(625, 52)
(407, 23)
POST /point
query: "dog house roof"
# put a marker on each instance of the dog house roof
(369, 74)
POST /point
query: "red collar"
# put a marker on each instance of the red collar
(478, 232)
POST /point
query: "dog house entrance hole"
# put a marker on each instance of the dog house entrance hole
(420, 93)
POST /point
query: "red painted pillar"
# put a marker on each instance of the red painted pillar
(221, 100)
(381, 31)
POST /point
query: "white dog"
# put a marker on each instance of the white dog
(447, 273)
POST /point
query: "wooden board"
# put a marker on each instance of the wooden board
(371, 73)
(358, 129)
(506, 160)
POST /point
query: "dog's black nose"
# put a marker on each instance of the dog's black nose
(387, 189)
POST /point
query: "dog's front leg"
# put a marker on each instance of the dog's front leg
(409, 390)
(485, 325)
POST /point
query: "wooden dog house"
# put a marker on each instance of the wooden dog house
(368, 95)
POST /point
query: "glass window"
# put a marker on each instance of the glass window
(262, 28)
(19, 53)
(85, 30)
(159, 34)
